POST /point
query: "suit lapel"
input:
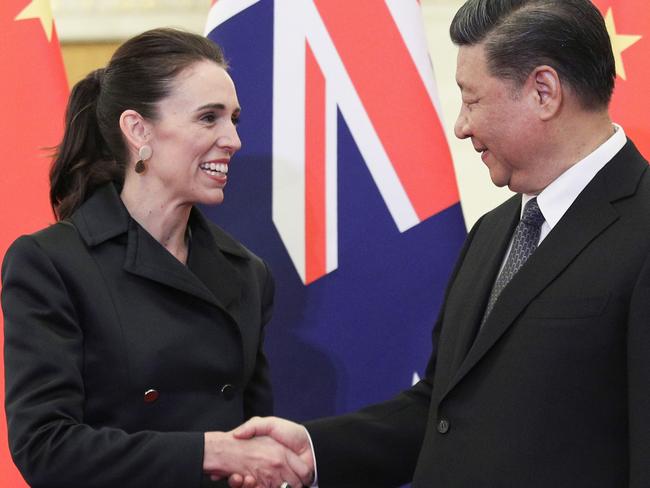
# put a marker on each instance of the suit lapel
(588, 216)
(485, 263)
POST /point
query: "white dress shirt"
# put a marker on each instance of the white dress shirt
(557, 197)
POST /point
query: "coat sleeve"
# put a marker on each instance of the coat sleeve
(49, 441)
(638, 358)
(379, 446)
(258, 398)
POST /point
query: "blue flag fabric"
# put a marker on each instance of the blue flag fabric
(362, 251)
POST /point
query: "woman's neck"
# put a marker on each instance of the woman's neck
(165, 220)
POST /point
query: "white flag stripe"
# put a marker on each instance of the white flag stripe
(357, 119)
(409, 20)
(225, 9)
(289, 130)
(331, 180)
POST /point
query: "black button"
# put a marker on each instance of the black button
(150, 396)
(228, 391)
(443, 426)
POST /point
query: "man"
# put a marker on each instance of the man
(540, 375)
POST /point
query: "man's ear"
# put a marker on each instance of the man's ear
(135, 130)
(547, 91)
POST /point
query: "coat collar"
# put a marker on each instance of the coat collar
(209, 275)
(590, 214)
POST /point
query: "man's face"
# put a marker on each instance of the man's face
(500, 121)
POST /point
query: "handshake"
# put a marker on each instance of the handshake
(264, 452)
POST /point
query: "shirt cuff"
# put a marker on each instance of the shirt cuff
(314, 484)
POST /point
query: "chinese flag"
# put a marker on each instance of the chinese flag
(628, 23)
(33, 94)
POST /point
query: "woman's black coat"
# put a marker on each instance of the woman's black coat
(118, 357)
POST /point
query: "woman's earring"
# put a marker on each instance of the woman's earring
(144, 153)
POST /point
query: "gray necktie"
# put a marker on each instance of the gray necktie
(524, 243)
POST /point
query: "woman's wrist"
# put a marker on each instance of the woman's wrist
(214, 445)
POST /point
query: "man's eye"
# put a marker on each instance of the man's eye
(210, 118)
(235, 120)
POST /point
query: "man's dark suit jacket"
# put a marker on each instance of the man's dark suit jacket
(97, 313)
(554, 392)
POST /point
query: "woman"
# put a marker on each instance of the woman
(134, 326)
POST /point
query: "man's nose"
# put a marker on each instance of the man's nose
(461, 128)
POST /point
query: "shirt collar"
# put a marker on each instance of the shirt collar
(557, 197)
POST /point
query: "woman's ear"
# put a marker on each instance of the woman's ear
(135, 130)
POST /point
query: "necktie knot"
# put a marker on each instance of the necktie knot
(532, 214)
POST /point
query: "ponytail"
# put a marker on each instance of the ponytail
(83, 160)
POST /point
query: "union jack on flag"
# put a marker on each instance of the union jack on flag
(345, 186)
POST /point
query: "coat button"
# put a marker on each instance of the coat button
(228, 391)
(443, 426)
(150, 396)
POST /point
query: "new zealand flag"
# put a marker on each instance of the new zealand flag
(345, 186)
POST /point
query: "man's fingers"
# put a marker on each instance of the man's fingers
(250, 482)
(289, 476)
(234, 481)
(239, 481)
(304, 471)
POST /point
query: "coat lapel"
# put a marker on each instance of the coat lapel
(588, 216)
(209, 262)
(147, 258)
(208, 276)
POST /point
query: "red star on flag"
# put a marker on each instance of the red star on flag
(628, 24)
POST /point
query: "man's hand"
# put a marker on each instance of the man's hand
(261, 460)
(290, 435)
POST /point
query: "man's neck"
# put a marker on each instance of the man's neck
(570, 140)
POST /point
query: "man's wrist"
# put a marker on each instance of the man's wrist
(314, 483)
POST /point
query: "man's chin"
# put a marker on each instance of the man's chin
(500, 180)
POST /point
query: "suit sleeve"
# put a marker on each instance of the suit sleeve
(375, 447)
(379, 446)
(258, 398)
(49, 441)
(638, 347)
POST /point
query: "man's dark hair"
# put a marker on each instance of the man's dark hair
(519, 35)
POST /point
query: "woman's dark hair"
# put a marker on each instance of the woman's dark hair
(519, 35)
(139, 75)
